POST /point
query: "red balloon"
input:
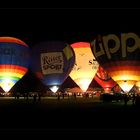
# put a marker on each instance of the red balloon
(104, 80)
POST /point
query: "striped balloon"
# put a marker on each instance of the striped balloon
(119, 55)
(14, 61)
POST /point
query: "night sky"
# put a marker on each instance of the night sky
(69, 25)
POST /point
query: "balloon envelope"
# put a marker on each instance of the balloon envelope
(119, 56)
(137, 84)
(136, 88)
(104, 80)
(117, 89)
(85, 66)
(52, 62)
(14, 61)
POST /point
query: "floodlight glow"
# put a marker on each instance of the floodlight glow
(7, 84)
(126, 85)
(54, 89)
(83, 83)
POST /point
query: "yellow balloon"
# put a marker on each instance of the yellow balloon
(85, 66)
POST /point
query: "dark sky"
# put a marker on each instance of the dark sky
(33, 25)
(70, 25)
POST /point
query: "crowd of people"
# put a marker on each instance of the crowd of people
(134, 98)
(35, 96)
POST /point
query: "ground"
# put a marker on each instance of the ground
(79, 114)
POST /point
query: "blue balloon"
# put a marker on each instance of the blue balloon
(14, 61)
(52, 62)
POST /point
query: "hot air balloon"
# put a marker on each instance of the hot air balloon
(137, 84)
(14, 61)
(119, 56)
(104, 80)
(136, 88)
(52, 62)
(85, 66)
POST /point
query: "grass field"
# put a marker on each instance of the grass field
(81, 113)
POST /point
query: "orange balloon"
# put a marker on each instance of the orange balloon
(119, 56)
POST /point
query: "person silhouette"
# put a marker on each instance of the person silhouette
(126, 99)
(34, 98)
(74, 95)
(39, 97)
(58, 96)
(133, 99)
(63, 95)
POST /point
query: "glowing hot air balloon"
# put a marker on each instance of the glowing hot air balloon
(119, 56)
(136, 88)
(52, 62)
(117, 89)
(104, 80)
(85, 66)
(14, 61)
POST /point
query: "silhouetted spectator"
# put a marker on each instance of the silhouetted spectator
(18, 95)
(74, 95)
(92, 95)
(58, 96)
(15, 95)
(126, 99)
(24, 95)
(137, 100)
(68, 95)
(39, 97)
(87, 95)
(27, 96)
(133, 98)
(63, 95)
(34, 97)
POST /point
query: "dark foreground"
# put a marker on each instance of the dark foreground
(68, 114)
